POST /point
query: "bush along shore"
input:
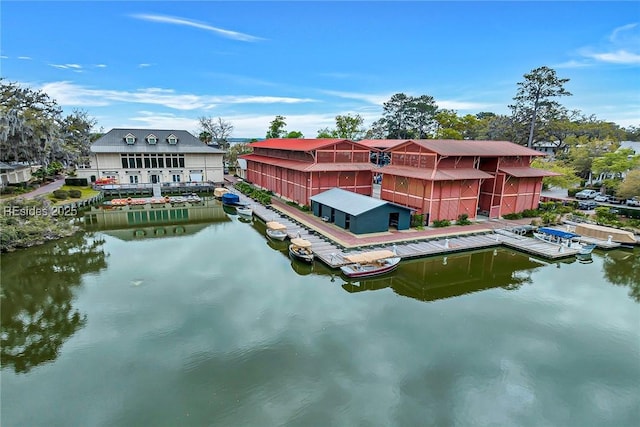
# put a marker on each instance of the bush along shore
(30, 222)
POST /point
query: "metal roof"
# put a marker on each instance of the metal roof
(456, 147)
(242, 164)
(297, 144)
(382, 143)
(520, 172)
(308, 166)
(114, 142)
(348, 201)
(435, 175)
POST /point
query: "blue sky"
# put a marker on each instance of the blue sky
(164, 64)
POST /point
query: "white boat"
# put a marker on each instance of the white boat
(565, 239)
(369, 264)
(244, 211)
(276, 230)
(300, 249)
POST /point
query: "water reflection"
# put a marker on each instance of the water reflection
(37, 292)
(622, 268)
(437, 278)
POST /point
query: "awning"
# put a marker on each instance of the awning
(370, 256)
(301, 242)
(274, 225)
(558, 233)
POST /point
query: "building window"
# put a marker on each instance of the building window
(176, 178)
(133, 179)
(151, 139)
(154, 162)
(147, 162)
(139, 162)
(125, 162)
(160, 162)
(130, 139)
(171, 139)
(181, 161)
(132, 163)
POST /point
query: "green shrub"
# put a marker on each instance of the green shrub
(463, 219)
(61, 194)
(549, 218)
(75, 194)
(441, 223)
(417, 220)
(514, 215)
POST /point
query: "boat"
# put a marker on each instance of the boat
(369, 264)
(586, 249)
(230, 199)
(244, 211)
(218, 192)
(565, 239)
(276, 231)
(557, 237)
(300, 249)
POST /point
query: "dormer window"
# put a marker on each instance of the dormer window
(171, 139)
(152, 139)
(130, 139)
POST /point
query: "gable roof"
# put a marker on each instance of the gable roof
(297, 144)
(382, 143)
(435, 175)
(458, 147)
(114, 142)
(349, 202)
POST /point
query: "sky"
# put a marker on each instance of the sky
(164, 64)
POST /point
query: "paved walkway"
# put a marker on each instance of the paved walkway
(42, 190)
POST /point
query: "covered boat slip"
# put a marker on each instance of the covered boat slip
(559, 234)
(600, 232)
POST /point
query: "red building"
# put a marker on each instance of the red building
(297, 169)
(446, 178)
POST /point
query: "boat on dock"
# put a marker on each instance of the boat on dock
(219, 192)
(368, 264)
(601, 232)
(276, 230)
(300, 249)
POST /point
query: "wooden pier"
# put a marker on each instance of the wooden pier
(332, 253)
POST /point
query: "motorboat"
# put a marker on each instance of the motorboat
(371, 263)
(565, 239)
(244, 211)
(276, 230)
(300, 249)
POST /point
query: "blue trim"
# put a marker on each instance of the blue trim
(558, 233)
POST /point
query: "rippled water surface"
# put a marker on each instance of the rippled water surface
(217, 326)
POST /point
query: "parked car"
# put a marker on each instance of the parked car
(634, 201)
(587, 205)
(616, 200)
(586, 194)
(601, 198)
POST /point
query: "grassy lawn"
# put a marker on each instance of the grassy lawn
(86, 193)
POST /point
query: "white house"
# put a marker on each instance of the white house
(132, 156)
(15, 173)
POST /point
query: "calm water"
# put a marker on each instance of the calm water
(217, 326)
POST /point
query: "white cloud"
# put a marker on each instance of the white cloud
(620, 32)
(572, 64)
(67, 66)
(377, 99)
(69, 94)
(4, 57)
(27, 58)
(144, 65)
(189, 23)
(461, 105)
(100, 66)
(617, 57)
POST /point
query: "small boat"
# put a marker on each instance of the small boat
(276, 231)
(369, 264)
(219, 192)
(586, 249)
(244, 211)
(300, 249)
(231, 199)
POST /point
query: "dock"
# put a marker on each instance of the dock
(331, 250)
